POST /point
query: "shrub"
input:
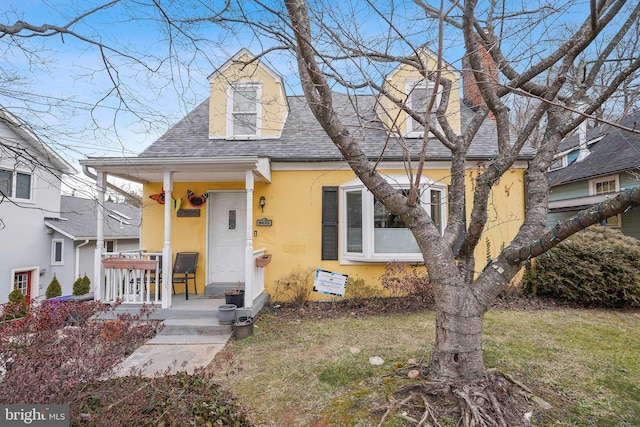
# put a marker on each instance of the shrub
(407, 280)
(359, 289)
(49, 362)
(596, 268)
(54, 289)
(81, 286)
(17, 306)
(296, 286)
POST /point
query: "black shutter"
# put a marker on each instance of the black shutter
(329, 223)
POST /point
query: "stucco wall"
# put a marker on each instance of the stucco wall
(273, 101)
(293, 203)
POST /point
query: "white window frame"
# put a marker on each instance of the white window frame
(14, 182)
(410, 85)
(558, 163)
(593, 183)
(54, 243)
(231, 89)
(368, 253)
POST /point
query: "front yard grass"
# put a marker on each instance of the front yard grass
(316, 372)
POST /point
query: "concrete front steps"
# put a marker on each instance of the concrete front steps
(188, 341)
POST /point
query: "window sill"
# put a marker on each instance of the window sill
(380, 259)
(242, 137)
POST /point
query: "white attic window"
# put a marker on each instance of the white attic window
(558, 163)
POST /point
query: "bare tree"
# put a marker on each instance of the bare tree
(555, 108)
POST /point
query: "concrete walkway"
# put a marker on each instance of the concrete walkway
(190, 339)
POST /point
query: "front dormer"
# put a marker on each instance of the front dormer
(407, 86)
(247, 100)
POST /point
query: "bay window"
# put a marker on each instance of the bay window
(372, 233)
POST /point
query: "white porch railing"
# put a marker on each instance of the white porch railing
(132, 277)
(260, 260)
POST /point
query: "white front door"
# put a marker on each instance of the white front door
(227, 236)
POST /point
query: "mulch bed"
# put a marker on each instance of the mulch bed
(388, 306)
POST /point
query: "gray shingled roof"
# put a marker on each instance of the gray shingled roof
(79, 219)
(303, 139)
(617, 151)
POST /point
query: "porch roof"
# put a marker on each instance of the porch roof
(185, 169)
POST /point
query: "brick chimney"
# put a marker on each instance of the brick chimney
(470, 90)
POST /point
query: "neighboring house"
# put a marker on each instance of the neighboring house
(592, 166)
(74, 234)
(30, 180)
(262, 175)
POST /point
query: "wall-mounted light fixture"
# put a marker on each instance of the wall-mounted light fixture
(262, 203)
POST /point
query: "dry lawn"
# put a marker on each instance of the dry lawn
(316, 372)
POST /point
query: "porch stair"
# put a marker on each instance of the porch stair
(189, 340)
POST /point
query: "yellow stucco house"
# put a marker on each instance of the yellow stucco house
(250, 172)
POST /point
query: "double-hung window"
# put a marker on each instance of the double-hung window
(371, 233)
(15, 185)
(419, 93)
(245, 110)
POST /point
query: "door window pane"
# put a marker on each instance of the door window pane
(21, 281)
(232, 219)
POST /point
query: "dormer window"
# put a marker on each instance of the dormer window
(558, 163)
(419, 92)
(244, 106)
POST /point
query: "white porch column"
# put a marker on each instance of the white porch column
(98, 271)
(248, 253)
(166, 249)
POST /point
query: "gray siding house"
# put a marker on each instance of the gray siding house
(593, 166)
(30, 179)
(75, 230)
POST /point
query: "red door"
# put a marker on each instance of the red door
(22, 281)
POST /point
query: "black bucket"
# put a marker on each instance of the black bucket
(242, 327)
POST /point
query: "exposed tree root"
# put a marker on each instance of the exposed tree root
(497, 401)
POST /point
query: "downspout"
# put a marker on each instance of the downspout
(78, 257)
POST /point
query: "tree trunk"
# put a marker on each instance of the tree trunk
(457, 354)
(458, 348)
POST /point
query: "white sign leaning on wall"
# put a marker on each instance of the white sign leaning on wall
(330, 283)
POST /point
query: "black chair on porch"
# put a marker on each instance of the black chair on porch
(184, 269)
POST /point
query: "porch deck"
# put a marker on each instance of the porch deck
(196, 307)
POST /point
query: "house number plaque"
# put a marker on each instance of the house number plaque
(188, 213)
(264, 222)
